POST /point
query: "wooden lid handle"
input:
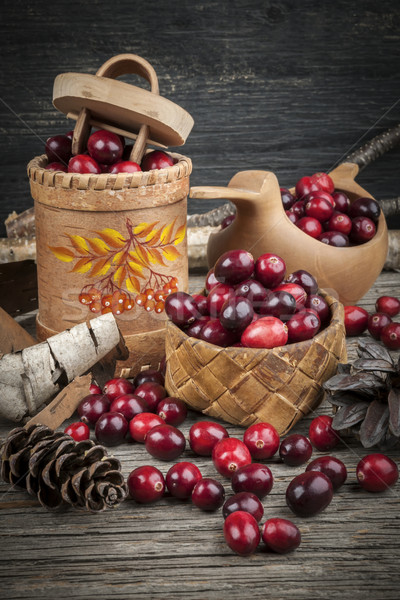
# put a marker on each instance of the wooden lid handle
(122, 64)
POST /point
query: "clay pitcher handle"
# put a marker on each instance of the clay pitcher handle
(122, 64)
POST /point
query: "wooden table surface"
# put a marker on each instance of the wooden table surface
(173, 550)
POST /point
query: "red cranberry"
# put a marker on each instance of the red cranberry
(291, 216)
(125, 166)
(227, 221)
(82, 163)
(355, 320)
(152, 393)
(245, 501)
(324, 181)
(319, 209)
(295, 450)
(320, 194)
(241, 533)
(230, 454)
(105, 147)
(253, 291)
(181, 308)
(342, 202)
(322, 435)
(172, 410)
(306, 185)
(363, 230)
(181, 479)
(195, 328)
(165, 442)
(146, 484)
(156, 160)
(270, 270)
(214, 332)
(334, 238)
(56, 166)
(91, 408)
(365, 207)
(78, 431)
(309, 493)
(111, 428)
(281, 305)
(296, 290)
(208, 494)
(236, 313)
(305, 280)
(320, 306)
(390, 336)
(298, 209)
(234, 266)
(302, 326)
(70, 134)
(141, 424)
(280, 535)
(310, 226)
(376, 323)
(201, 303)
(255, 478)
(267, 332)
(129, 405)
(95, 389)
(118, 386)
(340, 222)
(217, 297)
(58, 149)
(211, 280)
(262, 439)
(388, 305)
(287, 198)
(149, 375)
(377, 472)
(331, 467)
(204, 435)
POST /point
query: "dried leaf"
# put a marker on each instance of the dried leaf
(170, 253)
(82, 266)
(350, 415)
(64, 254)
(180, 234)
(132, 284)
(119, 276)
(369, 349)
(345, 398)
(394, 410)
(388, 442)
(166, 235)
(373, 428)
(360, 381)
(79, 243)
(136, 269)
(112, 237)
(98, 246)
(344, 368)
(374, 364)
(100, 267)
(144, 229)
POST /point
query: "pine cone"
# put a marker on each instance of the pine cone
(366, 395)
(60, 471)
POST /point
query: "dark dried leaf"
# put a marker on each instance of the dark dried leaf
(344, 368)
(374, 364)
(394, 411)
(345, 398)
(388, 442)
(360, 381)
(369, 349)
(350, 415)
(374, 426)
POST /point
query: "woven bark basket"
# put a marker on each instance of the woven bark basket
(250, 385)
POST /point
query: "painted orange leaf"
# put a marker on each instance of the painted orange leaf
(170, 252)
(156, 256)
(118, 257)
(119, 276)
(180, 234)
(79, 243)
(136, 269)
(82, 266)
(112, 237)
(167, 233)
(64, 254)
(98, 246)
(155, 236)
(142, 255)
(132, 284)
(100, 267)
(144, 229)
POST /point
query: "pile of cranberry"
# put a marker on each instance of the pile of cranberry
(379, 324)
(106, 153)
(143, 409)
(250, 303)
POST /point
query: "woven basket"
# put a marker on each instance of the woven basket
(249, 385)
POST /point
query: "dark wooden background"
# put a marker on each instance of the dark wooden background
(288, 86)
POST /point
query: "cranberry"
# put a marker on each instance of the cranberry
(204, 435)
(318, 208)
(376, 323)
(111, 428)
(295, 450)
(95, 389)
(195, 328)
(181, 479)
(281, 305)
(388, 305)
(342, 202)
(211, 280)
(230, 454)
(214, 332)
(287, 198)
(201, 303)
(105, 147)
(172, 410)
(255, 478)
(320, 194)
(124, 166)
(146, 484)
(152, 393)
(118, 386)
(165, 442)
(377, 472)
(82, 163)
(306, 185)
(56, 166)
(305, 280)
(310, 226)
(280, 535)
(298, 209)
(320, 306)
(270, 270)
(234, 266)
(241, 533)
(253, 291)
(331, 467)
(78, 431)
(262, 439)
(181, 308)
(390, 336)
(363, 230)
(296, 290)
(334, 238)
(245, 501)
(208, 494)
(291, 216)
(141, 424)
(324, 181)
(365, 207)
(355, 320)
(322, 435)
(302, 326)
(309, 493)
(217, 297)
(227, 221)
(340, 222)
(129, 405)
(156, 160)
(91, 408)
(267, 332)
(58, 149)
(236, 313)
(70, 134)
(149, 375)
